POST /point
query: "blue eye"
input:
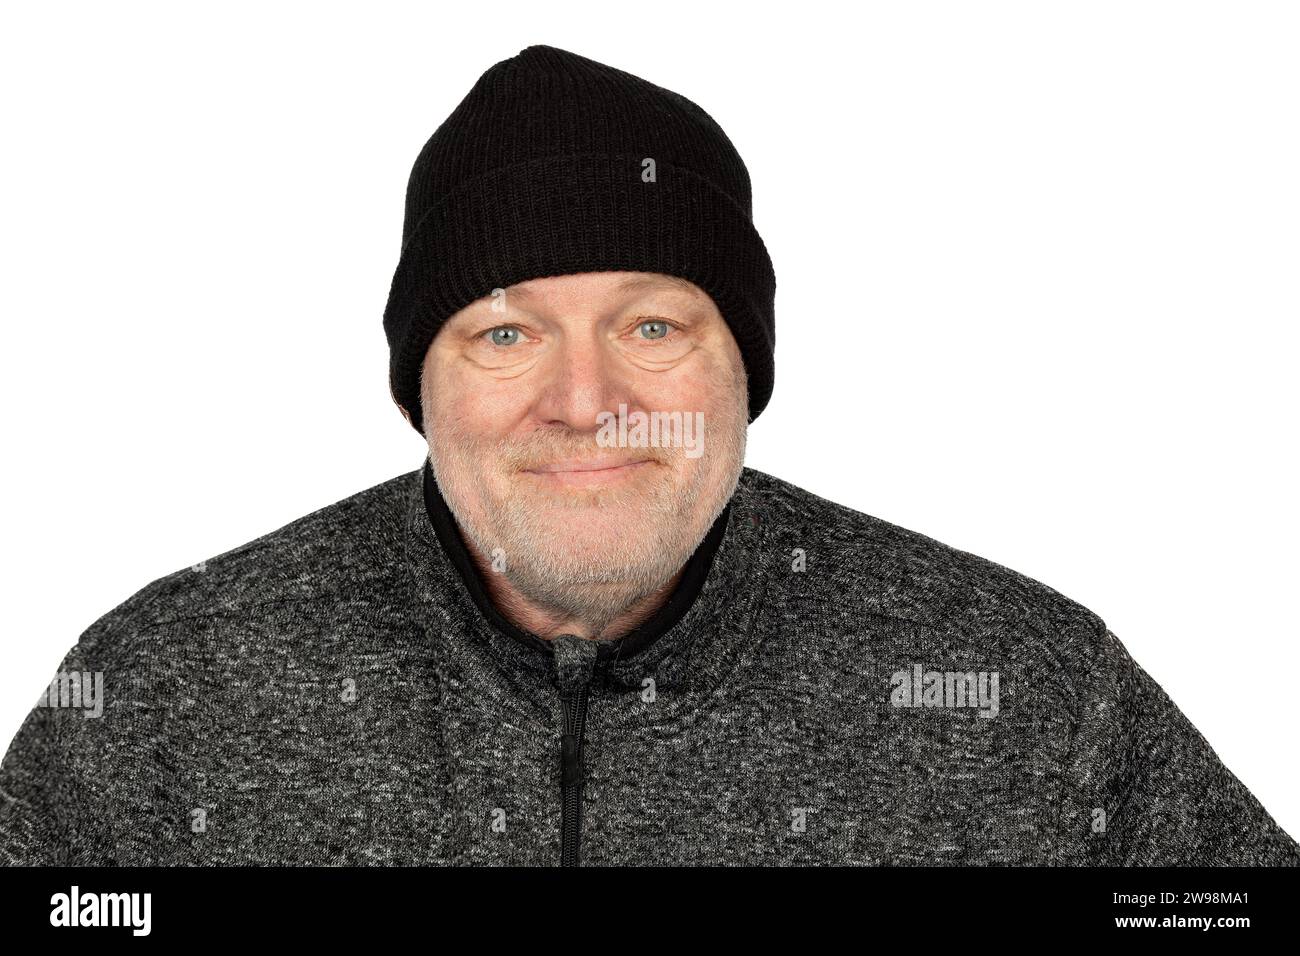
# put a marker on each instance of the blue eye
(504, 335)
(653, 329)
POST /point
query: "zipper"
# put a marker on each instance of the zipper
(575, 660)
(571, 774)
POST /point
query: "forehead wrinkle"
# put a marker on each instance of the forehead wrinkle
(638, 282)
(630, 284)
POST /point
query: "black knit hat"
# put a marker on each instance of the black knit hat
(542, 170)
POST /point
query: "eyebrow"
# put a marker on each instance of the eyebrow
(630, 284)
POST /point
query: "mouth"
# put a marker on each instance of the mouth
(576, 472)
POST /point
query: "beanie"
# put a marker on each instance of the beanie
(554, 164)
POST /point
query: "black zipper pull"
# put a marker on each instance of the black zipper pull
(575, 659)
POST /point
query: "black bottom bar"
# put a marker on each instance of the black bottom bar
(933, 907)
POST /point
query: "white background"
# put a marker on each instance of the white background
(1037, 292)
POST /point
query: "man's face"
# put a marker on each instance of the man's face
(530, 402)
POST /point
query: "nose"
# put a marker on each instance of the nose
(581, 377)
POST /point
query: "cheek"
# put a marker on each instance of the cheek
(476, 413)
(706, 384)
(465, 415)
(459, 401)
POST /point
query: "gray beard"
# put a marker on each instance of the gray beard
(591, 593)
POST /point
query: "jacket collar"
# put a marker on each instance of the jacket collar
(689, 644)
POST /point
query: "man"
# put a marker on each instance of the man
(583, 631)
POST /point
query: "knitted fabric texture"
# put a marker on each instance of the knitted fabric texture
(554, 164)
(330, 693)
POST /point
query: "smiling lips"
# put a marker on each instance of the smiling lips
(587, 471)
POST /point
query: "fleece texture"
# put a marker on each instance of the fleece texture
(840, 690)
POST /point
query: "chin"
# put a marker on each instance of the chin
(581, 584)
(607, 533)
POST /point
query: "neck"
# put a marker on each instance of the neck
(633, 629)
(546, 622)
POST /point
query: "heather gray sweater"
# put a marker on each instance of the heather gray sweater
(840, 690)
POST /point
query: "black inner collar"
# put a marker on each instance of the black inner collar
(668, 613)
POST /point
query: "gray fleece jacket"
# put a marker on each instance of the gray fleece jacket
(831, 689)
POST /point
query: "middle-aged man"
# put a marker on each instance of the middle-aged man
(583, 631)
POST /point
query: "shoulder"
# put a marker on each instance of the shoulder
(874, 586)
(334, 552)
